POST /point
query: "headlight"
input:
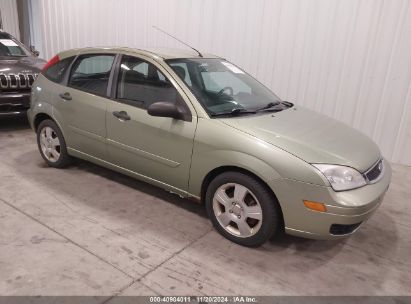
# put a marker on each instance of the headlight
(341, 177)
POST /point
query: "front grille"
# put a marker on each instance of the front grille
(3, 81)
(375, 172)
(16, 81)
(23, 80)
(13, 81)
(338, 229)
(11, 108)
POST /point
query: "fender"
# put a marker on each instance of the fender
(219, 145)
(43, 108)
(203, 163)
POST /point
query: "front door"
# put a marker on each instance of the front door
(158, 148)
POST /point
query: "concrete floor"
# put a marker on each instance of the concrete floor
(88, 231)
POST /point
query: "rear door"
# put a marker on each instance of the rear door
(158, 148)
(83, 103)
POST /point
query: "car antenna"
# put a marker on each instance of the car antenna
(159, 29)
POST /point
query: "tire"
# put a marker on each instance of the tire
(49, 139)
(243, 212)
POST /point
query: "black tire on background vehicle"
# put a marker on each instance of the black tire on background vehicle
(52, 145)
(242, 209)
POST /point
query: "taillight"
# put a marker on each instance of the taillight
(51, 62)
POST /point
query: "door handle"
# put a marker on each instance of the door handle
(65, 96)
(121, 115)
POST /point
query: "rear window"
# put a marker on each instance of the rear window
(57, 71)
(90, 73)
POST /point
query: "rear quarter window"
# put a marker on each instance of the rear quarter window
(57, 71)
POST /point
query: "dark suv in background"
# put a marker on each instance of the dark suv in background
(18, 69)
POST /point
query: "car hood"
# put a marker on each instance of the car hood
(27, 64)
(311, 136)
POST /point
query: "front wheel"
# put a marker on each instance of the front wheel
(242, 209)
(52, 145)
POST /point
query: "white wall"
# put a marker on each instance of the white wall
(10, 18)
(350, 59)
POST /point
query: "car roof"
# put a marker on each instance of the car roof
(150, 52)
(5, 34)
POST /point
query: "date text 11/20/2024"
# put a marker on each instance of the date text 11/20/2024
(203, 299)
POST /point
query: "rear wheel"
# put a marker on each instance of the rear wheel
(52, 145)
(242, 209)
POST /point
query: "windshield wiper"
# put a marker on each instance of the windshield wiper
(268, 106)
(233, 112)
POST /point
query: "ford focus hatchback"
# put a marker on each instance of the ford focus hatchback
(199, 126)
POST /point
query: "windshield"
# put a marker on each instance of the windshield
(221, 87)
(10, 46)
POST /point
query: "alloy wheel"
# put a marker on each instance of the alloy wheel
(50, 144)
(237, 210)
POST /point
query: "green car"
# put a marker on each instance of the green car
(199, 126)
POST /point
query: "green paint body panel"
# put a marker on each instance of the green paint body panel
(178, 155)
(311, 136)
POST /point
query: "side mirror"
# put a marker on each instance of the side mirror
(34, 51)
(165, 109)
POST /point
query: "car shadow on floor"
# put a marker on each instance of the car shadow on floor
(32, 162)
(11, 123)
(141, 186)
(280, 240)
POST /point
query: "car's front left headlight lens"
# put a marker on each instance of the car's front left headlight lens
(341, 177)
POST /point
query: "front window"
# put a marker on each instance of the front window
(140, 84)
(10, 46)
(223, 88)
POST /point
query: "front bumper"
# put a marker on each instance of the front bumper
(346, 210)
(13, 103)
